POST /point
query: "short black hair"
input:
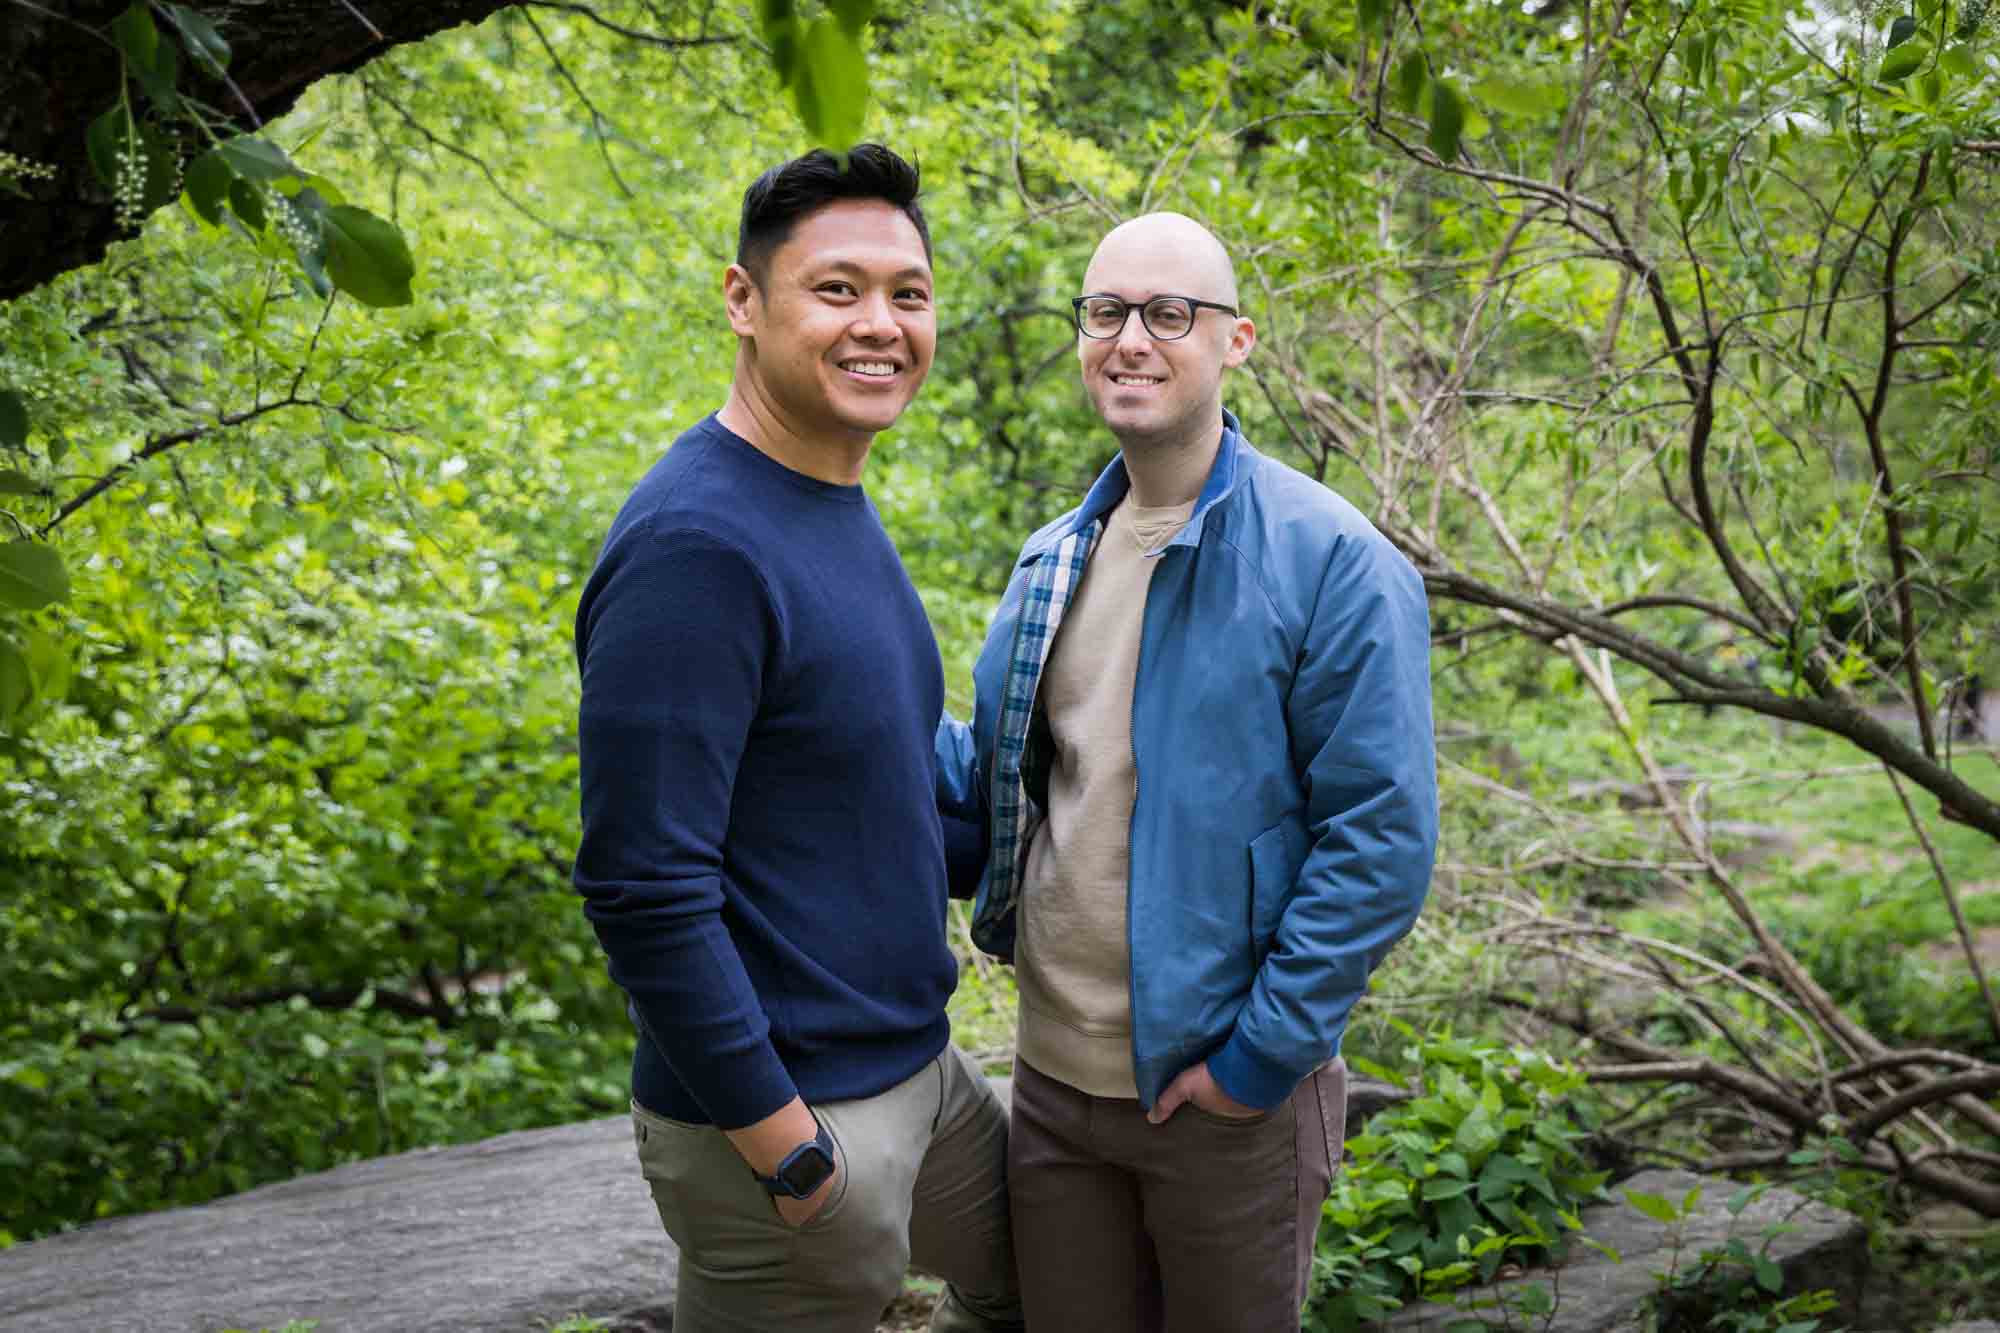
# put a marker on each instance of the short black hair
(776, 200)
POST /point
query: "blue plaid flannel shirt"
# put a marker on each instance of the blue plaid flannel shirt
(1051, 586)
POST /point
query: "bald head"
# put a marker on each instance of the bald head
(1160, 389)
(1184, 256)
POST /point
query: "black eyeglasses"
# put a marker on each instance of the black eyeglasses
(1165, 317)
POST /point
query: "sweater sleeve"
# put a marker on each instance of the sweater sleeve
(961, 803)
(675, 636)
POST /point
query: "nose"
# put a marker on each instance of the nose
(875, 317)
(1132, 339)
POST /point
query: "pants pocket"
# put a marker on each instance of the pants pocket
(1330, 1087)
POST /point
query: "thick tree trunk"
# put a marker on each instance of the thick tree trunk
(59, 71)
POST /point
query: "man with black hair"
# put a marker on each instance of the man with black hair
(763, 856)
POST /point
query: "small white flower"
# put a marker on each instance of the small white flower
(21, 168)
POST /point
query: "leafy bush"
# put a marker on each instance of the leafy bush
(1897, 995)
(1483, 1168)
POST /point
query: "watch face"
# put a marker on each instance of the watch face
(806, 1170)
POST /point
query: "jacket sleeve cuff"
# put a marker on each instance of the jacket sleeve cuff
(1248, 1077)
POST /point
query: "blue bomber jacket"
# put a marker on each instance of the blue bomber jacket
(1286, 815)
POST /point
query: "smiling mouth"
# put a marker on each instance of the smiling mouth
(871, 369)
(1136, 381)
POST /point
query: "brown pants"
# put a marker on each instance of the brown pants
(1199, 1225)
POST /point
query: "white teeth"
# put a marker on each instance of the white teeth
(870, 367)
(1134, 381)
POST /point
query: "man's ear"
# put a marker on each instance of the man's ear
(739, 295)
(1241, 339)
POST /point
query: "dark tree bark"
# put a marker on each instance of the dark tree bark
(59, 71)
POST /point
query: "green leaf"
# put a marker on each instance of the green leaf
(13, 420)
(1362, 1064)
(1412, 73)
(1371, 15)
(31, 575)
(1653, 1206)
(1904, 28)
(1521, 97)
(1477, 1133)
(1445, 1187)
(16, 684)
(367, 257)
(103, 141)
(154, 63)
(18, 483)
(207, 185)
(1769, 1276)
(200, 37)
(1535, 1299)
(1447, 120)
(257, 159)
(1693, 53)
(48, 664)
(247, 202)
(852, 15)
(1903, 61)
(134, 34)
(781, 28)
(328, 192)
(160, 77)
(830, 85)
(1957, 60)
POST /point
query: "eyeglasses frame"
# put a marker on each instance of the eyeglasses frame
(1195, 307)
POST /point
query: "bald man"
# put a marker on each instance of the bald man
(1202, 730)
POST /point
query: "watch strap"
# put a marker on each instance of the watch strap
(775, 1183)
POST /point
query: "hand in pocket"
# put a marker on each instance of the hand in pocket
(798, 1212)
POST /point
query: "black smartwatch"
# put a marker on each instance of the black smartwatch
(805, 1167)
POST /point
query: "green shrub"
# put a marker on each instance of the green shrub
(1484, 1167)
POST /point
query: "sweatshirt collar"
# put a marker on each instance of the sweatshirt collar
(1114, 482)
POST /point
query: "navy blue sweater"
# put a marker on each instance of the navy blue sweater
(762, 853)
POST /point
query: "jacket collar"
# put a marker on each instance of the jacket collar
(1112, 484)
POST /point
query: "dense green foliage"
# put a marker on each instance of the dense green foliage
(1483, 1167)
(1662, 335)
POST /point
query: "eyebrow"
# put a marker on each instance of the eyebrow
(859, 270)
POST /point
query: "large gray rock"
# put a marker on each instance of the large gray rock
(1816, 1247)
(510, 1234)
(505, 1236)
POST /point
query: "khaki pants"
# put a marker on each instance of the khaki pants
(1199, 1225)
(924, 1182)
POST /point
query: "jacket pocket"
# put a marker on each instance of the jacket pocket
(1275, 857)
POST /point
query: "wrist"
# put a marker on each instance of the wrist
(765, 1144)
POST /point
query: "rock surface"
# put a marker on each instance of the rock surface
(514, 1234)
(1816, 1246)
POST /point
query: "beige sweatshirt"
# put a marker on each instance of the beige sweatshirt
(1070, 952)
